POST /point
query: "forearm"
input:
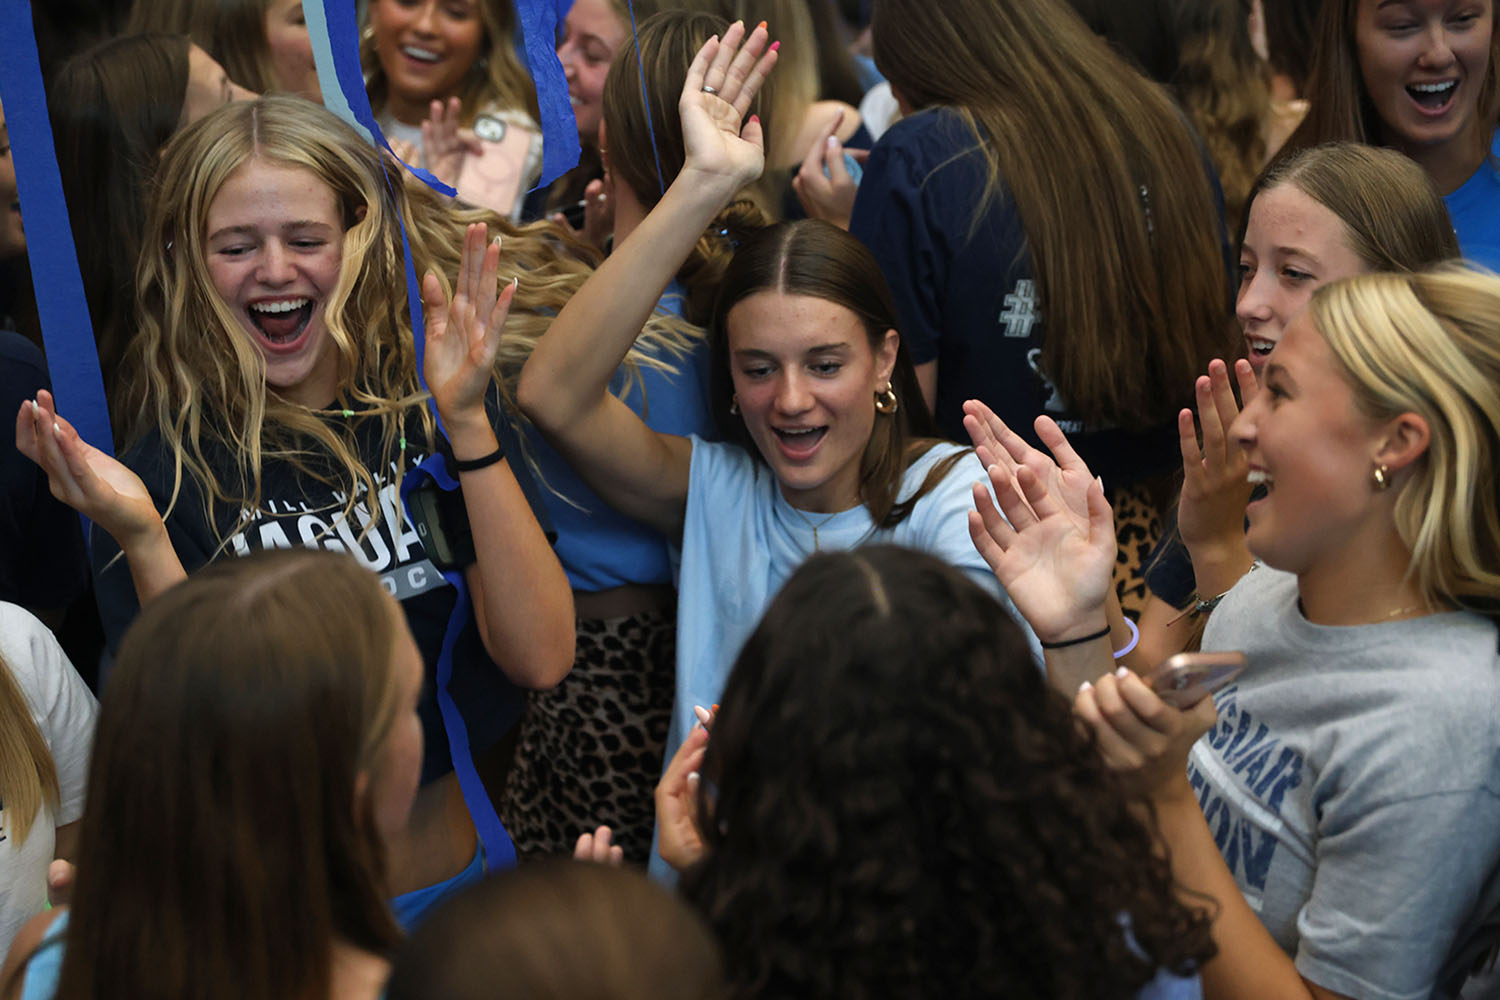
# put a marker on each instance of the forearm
(154, 565)
(1219, 564)
(1249, 964)
(522, 601)
(570, 368)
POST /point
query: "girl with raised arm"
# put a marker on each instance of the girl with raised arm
(281, 407)
(811, 386)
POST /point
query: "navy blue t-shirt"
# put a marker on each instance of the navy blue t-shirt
(966, 296)
(298, 510)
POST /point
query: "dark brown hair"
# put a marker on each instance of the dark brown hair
(1119, 224)
(561, 928)
(222, 852)
(113, 109)
(811, 257)
(902, 807)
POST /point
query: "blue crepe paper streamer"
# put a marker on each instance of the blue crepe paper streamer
(67, 331)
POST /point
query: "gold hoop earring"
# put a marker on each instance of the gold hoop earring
(734, 404)
(1381, 477)
(886, 401)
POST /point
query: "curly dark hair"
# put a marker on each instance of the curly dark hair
(899, 806)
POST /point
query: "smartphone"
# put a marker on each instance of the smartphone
(442, 522)
(1187, 678)
(495, 178)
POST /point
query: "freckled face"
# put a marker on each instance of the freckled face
(1293, 245)
(274, 242)
(805, 379)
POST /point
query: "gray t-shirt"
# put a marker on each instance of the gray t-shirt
(1352, 784)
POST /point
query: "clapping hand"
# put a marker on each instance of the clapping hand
(1215, 486)
(463, 335)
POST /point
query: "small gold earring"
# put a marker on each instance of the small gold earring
(886, 401)
(1381, 477)
(734, 404)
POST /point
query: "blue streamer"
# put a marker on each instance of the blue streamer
(560, 149)
(67, 331)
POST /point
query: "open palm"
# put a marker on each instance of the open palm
(722, 81)
(463, 335)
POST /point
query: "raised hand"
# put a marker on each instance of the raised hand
(444, 144)
(82, 476)
(463, 335)
(1054, 565)
(723, 79)
(598, 215)
(1215, 487)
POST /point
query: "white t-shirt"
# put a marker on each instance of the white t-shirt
(64, 711)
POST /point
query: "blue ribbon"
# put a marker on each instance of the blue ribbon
(67, 331)
(560, 149)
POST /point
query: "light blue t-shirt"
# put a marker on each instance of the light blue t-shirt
(1475, 211)
(45, 967)
(599, 547)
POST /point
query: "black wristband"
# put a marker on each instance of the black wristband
(1081, 639)
(474, 464)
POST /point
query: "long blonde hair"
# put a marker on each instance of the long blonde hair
(1429, 343)
(28, 776)
(193, 375)
(497, 78)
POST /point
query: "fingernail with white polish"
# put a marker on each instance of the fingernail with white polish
(1122, 673)
(702, 714)
(1085, 686)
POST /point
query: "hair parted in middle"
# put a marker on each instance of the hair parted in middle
(1429, 343)
(1395, 219)
(900, 806)
(226, 846)
(815, 258)
(1120, 229)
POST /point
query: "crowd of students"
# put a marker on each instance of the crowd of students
(818, 507)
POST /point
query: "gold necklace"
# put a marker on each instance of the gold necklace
(808, 521)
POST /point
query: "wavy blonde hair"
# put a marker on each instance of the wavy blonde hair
(1429, 343)
(497, 78)
(193, 375)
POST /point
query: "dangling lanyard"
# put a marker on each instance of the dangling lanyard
(332, 27)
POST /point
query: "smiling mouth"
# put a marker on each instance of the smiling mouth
(1260, 477)
(800, 441)
(421, 55)
(1433, 96)
(1259, 347)
(281, 323)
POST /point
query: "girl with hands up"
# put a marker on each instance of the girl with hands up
(827, 445)
(1364, 723)
(279, 406)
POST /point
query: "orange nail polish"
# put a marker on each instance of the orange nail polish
(761, 24)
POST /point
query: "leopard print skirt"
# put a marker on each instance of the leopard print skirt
(590, 750)
(1138, 525)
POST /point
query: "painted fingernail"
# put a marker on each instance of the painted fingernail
(760, 25)
(1122, 673)
(1085, 686)
(56, 427)
(702, 714)
(692, 778)
(515, 281)
(775, 46)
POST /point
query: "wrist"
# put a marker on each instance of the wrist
(472, 438)
(1076, 635)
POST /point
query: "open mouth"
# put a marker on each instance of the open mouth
(281, 322)
(421, 55)
(1432, 96)
(1260, 477)
(1259, 347)
(800, 441)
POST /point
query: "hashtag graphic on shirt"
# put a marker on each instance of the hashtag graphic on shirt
(1019, 314)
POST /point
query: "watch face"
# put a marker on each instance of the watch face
(489, 128)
